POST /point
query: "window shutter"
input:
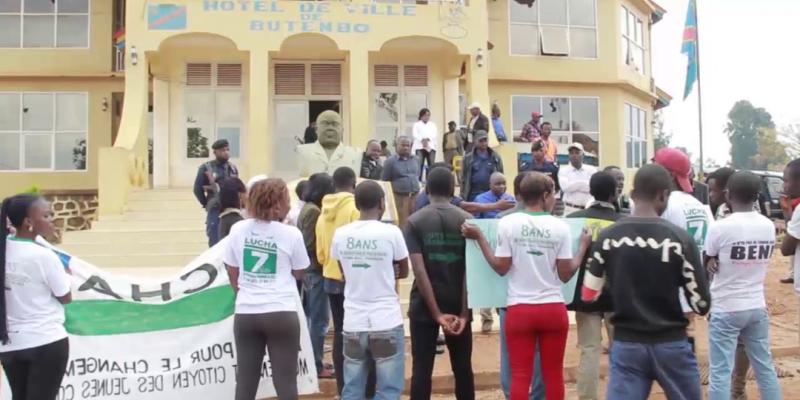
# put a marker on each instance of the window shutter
(290, 79)
(415, 75)
(229, 75)
(387, 75)
(326, 79)
(198, 74)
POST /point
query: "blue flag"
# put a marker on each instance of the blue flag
(690, 47)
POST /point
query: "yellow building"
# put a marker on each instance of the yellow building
(256, 72)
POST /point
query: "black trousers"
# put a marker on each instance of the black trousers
(423, 352)
(276, 332)
(36, 373)
(337, 310)
(424, 156)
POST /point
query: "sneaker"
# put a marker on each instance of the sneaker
(486, 327)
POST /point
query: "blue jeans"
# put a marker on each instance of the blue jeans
(634, 366)
(212, 226)
(537, 384)
(317, 313)
(387, 349)
(752, 327)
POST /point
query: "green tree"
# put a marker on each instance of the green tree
(771, 152)
(744, 121)
(661, 138)
(197, 144)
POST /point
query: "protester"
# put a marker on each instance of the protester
(717, 183)
(478, 166)
(497, 124)
(34, 347)
(541, 165)
(264, 257)
(590, 317)
(699, 189)
(550, 144)
(438, 297)
(232, 197)
(535, 250)
(739, 249)
(574, 179)
(316, 300)
(210, 176)
(450, 144)
(532, 129)
(650, 341)
(368, 251)
(683, 210)
(537, 384)
(371, 167)
(403, 170)
(338, 209)
(294, 212)
(623, 203)
(425, 135)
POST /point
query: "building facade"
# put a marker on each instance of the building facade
(111, 95)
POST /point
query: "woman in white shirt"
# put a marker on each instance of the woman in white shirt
(264, 258)
(35, 348)
(425, 134)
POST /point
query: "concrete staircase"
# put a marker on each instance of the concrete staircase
(160, 232)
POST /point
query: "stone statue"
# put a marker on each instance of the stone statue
(328, 152)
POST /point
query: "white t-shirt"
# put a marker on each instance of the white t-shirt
(793, 228)
(421, 130)
(367, 251)
(34, 278)
(744, 242)
(688, 213)
(265, 254)
(575, 183)
(534, 243)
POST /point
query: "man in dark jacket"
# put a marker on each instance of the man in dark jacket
(590, 316)
(209, 178)
(477, 121)
(371, 167)
(478, 166)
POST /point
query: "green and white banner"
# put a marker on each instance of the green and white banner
(159, 339)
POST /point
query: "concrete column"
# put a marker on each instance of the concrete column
(358, 93)
(161, 122)
(259, 141)
(452, 109)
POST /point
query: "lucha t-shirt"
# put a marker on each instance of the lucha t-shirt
(744, 243)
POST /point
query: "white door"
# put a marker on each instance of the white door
(291, 121)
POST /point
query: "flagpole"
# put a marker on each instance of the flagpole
(699, 86)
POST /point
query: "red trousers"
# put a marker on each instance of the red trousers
(531, 325)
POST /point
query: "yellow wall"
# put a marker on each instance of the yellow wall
(99, 134)
(92, 61)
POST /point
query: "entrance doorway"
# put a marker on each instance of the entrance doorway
(292, 117)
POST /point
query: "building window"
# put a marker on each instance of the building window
(574, 119)
(635, 136)
(400, 92)
(213, 107)
(43, 131)
(553, 28)
(632, 30)
(44, 23)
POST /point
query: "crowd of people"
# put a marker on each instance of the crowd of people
(648, 266)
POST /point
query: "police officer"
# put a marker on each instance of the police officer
(207, 183)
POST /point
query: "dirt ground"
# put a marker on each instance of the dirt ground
(782, 303)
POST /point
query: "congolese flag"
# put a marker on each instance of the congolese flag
(690, 47)
(159, 339)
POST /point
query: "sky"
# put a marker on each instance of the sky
(749, 50)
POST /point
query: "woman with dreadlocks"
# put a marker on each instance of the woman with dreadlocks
(33, 342)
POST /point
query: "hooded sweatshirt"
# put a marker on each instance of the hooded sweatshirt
(338, 209)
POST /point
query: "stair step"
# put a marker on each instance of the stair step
(163, 195)
(157, 234)
(104, 261)
(159, 215)
(129, 225)
(138, 248)
(149, 205)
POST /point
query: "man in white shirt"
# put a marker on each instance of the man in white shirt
(683, 209)
(574, 180)
(789, 204)
(367, 251)
(740, 247)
